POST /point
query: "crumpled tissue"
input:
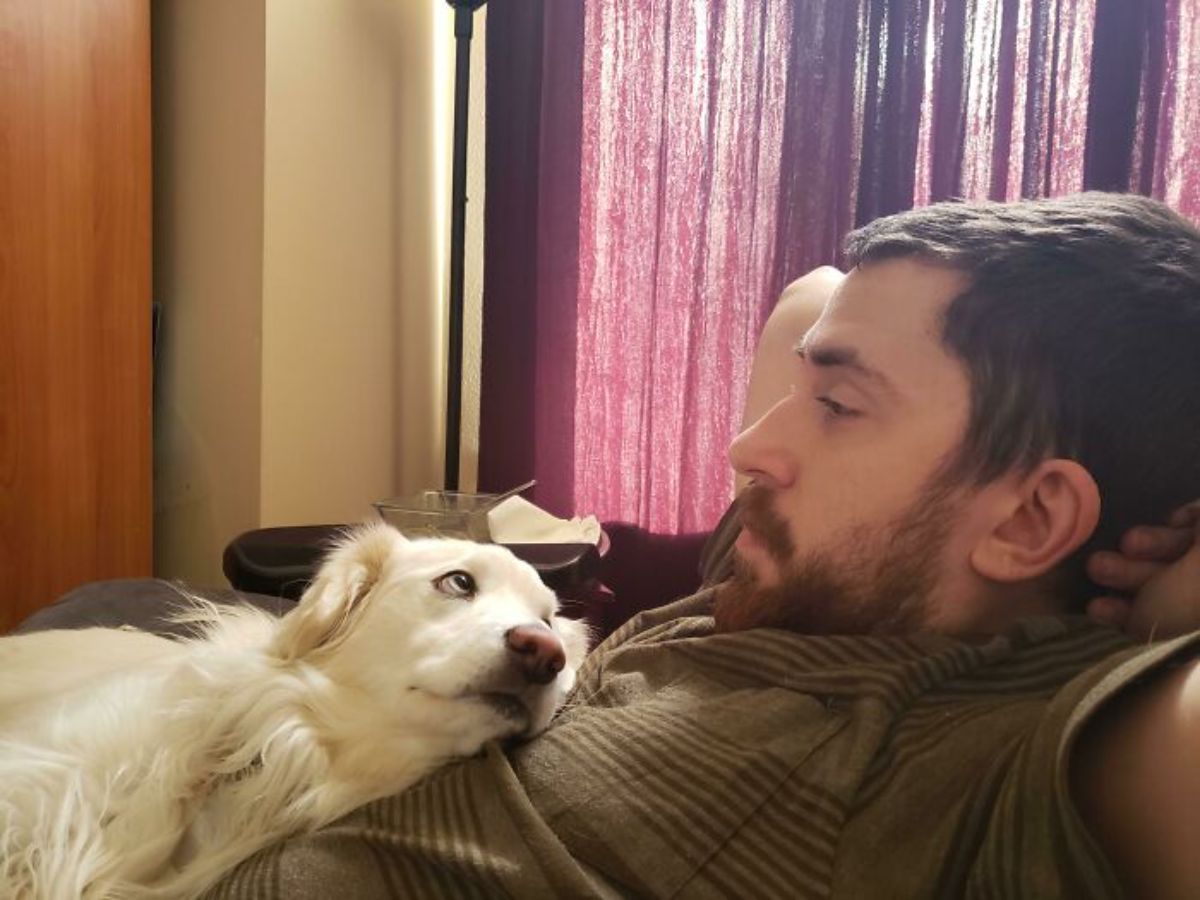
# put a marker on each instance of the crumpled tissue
(517, 521)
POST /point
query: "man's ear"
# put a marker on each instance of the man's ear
(1046, 517)
(334, 600)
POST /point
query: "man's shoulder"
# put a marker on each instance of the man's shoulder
(990, 749)
(1135, 780)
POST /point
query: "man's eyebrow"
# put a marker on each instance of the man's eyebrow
(834, 356)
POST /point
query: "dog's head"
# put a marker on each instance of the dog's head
(451, 619)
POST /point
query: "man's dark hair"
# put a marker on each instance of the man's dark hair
(1080, 332)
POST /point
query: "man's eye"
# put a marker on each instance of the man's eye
(835, 410)
(456, 584)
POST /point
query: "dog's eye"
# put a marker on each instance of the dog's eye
(456, 584)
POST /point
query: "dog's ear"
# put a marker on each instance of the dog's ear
(333, 601)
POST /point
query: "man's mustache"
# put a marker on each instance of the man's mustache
(756, 512)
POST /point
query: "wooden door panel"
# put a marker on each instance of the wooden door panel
(74, 297)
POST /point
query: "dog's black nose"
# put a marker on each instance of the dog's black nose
(537, 651)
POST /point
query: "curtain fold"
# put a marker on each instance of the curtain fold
(680, 168)
(1166, 162)
(513, 126)
(1006, 95)
(658, 170)
(822, 139)
(531, 248)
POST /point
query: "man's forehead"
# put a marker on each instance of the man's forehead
(902, 296)
(888, 315)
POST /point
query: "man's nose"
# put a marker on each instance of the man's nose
(763, 453)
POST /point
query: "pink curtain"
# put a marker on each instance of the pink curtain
(683, 123)
(665, 167)
(1166, 160)
(1008, 87)
(1043, 98)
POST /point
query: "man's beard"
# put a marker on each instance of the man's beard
(874, 581)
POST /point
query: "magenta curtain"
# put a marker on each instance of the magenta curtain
(658, 170)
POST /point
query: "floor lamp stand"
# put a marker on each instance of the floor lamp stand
(464, 26)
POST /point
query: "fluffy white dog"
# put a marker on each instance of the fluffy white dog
(136, 766)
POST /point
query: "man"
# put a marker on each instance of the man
(895, 693)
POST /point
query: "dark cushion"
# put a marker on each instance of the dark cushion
(143, 603)
(641, 571)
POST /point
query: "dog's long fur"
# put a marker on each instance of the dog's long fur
(136, 766)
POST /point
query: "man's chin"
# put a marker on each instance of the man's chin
(813, 600)
(869, 581)
(744, 602)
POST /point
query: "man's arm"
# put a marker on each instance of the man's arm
(1137, 784)
(1136, 773)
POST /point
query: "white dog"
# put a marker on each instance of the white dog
(136, 766)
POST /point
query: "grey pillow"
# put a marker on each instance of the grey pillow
(142, 603)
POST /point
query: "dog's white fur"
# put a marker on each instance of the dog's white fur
(136, 766)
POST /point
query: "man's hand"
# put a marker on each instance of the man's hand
(1160, 566)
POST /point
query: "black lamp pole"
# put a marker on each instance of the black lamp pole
(464, 26)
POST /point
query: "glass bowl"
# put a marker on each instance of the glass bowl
(440, 514)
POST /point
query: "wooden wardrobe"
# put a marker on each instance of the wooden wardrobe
(75, 308)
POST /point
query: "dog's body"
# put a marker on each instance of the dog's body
(132, 765)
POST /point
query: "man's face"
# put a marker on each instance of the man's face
(849, 526)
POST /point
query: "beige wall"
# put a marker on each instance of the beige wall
(300, 255)
(208, 239)
(330, 288)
